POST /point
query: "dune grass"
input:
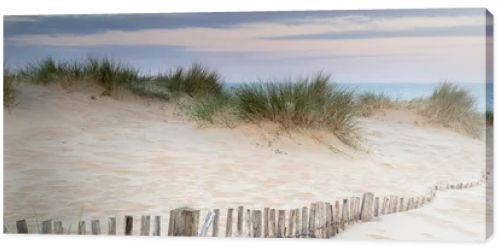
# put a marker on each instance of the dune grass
(196, 81)
(369, 101)
(489, 118)
(303, 103)
(453, 107)
(8, 88)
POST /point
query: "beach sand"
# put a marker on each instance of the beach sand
(68, 156)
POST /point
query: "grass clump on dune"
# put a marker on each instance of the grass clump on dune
(8, 88)
(104, 71)
(307, 103)
(369, 101)
(196, 81)
(453, 107)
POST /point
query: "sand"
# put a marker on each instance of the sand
(69, 156)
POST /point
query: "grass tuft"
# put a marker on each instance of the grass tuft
(196, 81)
(369, 101)
(453, 107)
(307, 103)
(8, 88)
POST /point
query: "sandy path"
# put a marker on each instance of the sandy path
(453, 215)
(67, 155)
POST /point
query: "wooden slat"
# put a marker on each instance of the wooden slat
(256, 223)
(157, 226)
(312, 220)
(58, 227)
(95, 227)
(185, 222)
(229, 222)
(239, 223)
(338, 217)
(376, 209)
(248, 223)
(47, 227)
(345, 214)
(297, 223)
(305, 225)
(272, 223)
(281, 224)
(215, 227)
(81, 227)
(266, 222)
(22, 227)
(367, 207)
(129, 225)
(291, 223)
(145, 225)
(111, 226)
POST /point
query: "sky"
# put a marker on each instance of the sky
(379, 46)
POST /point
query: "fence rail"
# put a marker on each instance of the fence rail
(318, 220)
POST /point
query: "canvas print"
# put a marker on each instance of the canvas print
(358, 124)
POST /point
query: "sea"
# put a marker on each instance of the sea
(483, 93)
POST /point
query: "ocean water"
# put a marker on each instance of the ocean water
(483, 94)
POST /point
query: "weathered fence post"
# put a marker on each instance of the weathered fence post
(345, 213)
(297, 223)
(376, 207)
(385, 206)
(81, 227)
(312, 220)
(281, 224)
(95, 227)
(129, 225)
(112, 226)
(256, 223)
(393, 204)
(157, 226)
(215, 228)
(266, 222)
(305, 225)
(239, 223)
(367, 207)
(22, 227)
(352, 210)
(58, 227)
(291, 222)
(145, 225)
(202, 232)
(401, 204)
(328, 220)
(248, 223)
(272, 222)
(229, 222)
(337, 217)
(47, 227)
(184, 222)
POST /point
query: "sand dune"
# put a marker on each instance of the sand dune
(67, 155)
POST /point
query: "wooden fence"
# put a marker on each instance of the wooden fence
(318, 220)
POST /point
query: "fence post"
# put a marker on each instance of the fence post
(248, 223)
(184, 222)
(337, 218)
(256, 223)
(328, 220)
(81, 227)
(266, 222)
(281, 224)
(22, 227)
(229, 222)
(304, 222)
(145, 225)
(129, 225)
(312, 220)
(95, 227)
(376, 207)
(367, 207)
(272, 222)
(111, 226)
(239, 223)
(157, 226)
(58, 227)
(345, 213)
(215, 228)
(291, 222)
(297, 223)
(401, 204)
(47, 227)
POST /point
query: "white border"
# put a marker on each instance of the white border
(17, 7)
